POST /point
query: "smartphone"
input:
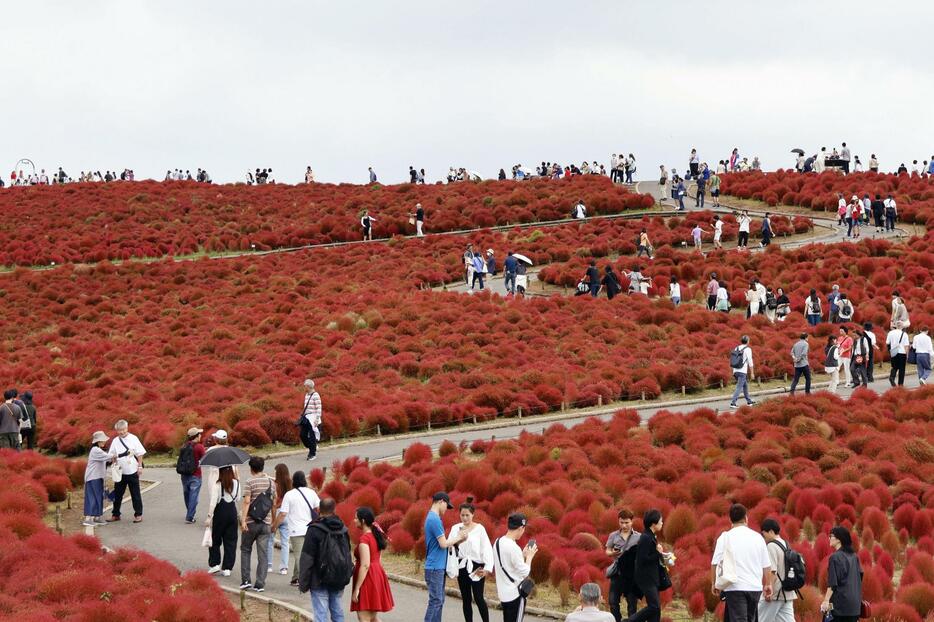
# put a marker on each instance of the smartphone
(531, 544)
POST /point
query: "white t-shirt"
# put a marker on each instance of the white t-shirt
(675, 289)
(744, 223)
(128, 464)
(897, 341)
(747, 360)
(297, 510)
(717, 229)
(749, 553)
(511, 561)
(922, 344)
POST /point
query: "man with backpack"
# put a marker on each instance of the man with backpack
(741, 570)
(742, 368)
(189, 467)
(326, 566)
(787, 576)
(259, 497)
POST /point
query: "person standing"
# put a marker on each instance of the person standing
(94, 474)
(751, 564)
(29, 422)
(479, 270)
(717, 232)
(714, 184)
(474, 561)
(674, 290)
(873, 346)
(419, 220)
(371, 594)
(860, 362)
(723, 298)
(366, 222)
(845, 158)
(589, 610)
(512, 565)
(701, 192)
(611, 283)
(647, 568)
(844, 593)
(833, 301)
(696, 233)
(799, 358)
(781, 607)
(766, 231)
(189, 461)
(259, 497)
(326, 578)
(436, 555)
(468, 264)
(891, 213)
(742, 367)
(645, 246)
(621, 548)
(580, 210)
(310, 421)
(812, 308)
(897, 343)
(223, 521)
(924, 352)
(128, 452)
(663, 181)
(593, 278)
(510, 265)
(845, 309)
(372, 174)
(744, 221)
(283, 485)
(752, 301)
(693, 164)
(878, 213)
(680, 191)
(309, 176)
(845, 354)
(832, 362)
(712, 286)
(899, 312)
(298, 509)
(10, 416)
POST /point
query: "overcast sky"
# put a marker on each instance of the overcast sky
(481, 84)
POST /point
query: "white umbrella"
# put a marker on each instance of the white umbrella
(474, 175)
(522, 258)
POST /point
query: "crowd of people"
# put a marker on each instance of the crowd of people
(858, 212)
(844, 161)
(200, 176)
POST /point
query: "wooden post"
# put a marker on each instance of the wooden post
(242, 600)
(58, 519)
(643, 396)
(403, 453)
(785, 377)
(269, 603)
(758, 382)
(684, 390)
(475, 419)
(599, 400)
(68, 499)
(324, 471)
(520, 412)
(429, 424)
(379, 430)
(493, 438)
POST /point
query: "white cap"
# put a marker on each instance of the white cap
(221, 435)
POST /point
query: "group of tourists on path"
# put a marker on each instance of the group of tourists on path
(18, 420)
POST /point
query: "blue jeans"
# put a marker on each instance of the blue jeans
(594, 288)
(325, 601)
(741, 386)
(284, 551)
(435, 581)
(191, 488)
(924, 365)
(510, 282)
(813, 320)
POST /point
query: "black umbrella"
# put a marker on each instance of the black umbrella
(798, 151)
(223, 455)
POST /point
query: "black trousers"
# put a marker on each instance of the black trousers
(742, 238)
(802, 371)
(29, 438)
(652, 612)
(309, 440)
(472, 592)
(741, 606)
(131, 482)
(711, 302)
(872, 362)
(620, 589)
(898, 369)
(224, 531)
(514, 610)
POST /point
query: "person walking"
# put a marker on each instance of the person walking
(897, 343)
(189, 468)
(845, 354)
(741, 365)
(663, 181)
(812, 308)
(298, 509)
(436, 555)
(10, 416)
(371, 594)
(223, 521)
(846, 310)
(780, 607)
(833, 302)
(283, 485)
(621, 548)
(712, 286)
(878, 213)
(310, 421)
(717, 232)
(611, 283)
(326, 568)
(645, 246)
(741, 568)
(29, 422)
(259, 498)
(799, 358)
(94, 474)
(372, 174)
(674, 291)
(891, 213)
(766, 231)
(679, 192)
(647, 568)
(419, 220)
(474, 561)
(844, 594)
(860, 361)
(701, 192)
(696, 234)
(512, 566)
(128, 452)
(714, 184)
(742, 239)
(832, 362)
(510, 265)
(366, 223)
(924, 353)
(752, 301)
(723, 298)
(589, 609)
(479, 270)
(592, 275)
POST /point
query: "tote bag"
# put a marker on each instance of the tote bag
(726, 569)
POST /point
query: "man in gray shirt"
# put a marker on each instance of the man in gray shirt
(799, 356)
(10, 416)
(589, 608)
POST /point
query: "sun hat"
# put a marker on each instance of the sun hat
(98, 437)
(194, 432)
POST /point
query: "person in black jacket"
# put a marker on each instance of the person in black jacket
(844, 579)
(621, 548)
(646, 569)
(29, 433)
(325, 599)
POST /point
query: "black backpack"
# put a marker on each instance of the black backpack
(736, 357)
(261, 505)
(794, 569)
(335, 567)
(186, 464)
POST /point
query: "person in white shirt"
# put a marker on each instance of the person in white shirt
(580, 210)
(474, 561)
(589, 610)
(741, 568)
(129, 453)
(924, 351)
(222, 519)
(743, 372)
(512, 565)
(298, 508)
(310, 421)
(779, 608)
(309, 176)
(743, 238)
(763, 294)
(717, 232)
(674, 289)
(897, 343)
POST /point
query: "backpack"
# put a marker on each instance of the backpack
(261, 505)
(737, 358)
(186, 464)
(846, 309)
(770, 301)
(335, 568)
(794, 569)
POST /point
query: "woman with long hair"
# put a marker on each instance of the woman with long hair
(223, 521)
(283, 485)
(812, 308)
(832, 362)
(474, 561)
(844, 578)
(371, 593)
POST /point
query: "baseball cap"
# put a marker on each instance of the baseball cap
(194, 432)
(516, 520)
(442, 496)
(220, 434)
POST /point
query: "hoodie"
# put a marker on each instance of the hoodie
(308, 578)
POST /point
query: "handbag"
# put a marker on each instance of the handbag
(411, 220)
(207, 538)
(664, 579)
(116, 473)
(912, 357)
(525, 586)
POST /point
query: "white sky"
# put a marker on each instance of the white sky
(230, 84)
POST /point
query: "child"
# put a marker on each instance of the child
(94, 481)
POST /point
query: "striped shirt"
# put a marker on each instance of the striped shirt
(312, 409)
(254, 487)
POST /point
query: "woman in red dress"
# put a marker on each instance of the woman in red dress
(371, 593)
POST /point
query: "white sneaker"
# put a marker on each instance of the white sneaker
(89, 523)
(284, 571)
(225, 573)
(214, 569)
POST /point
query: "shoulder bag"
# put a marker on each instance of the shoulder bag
(116, 473)
(525, 586)
(726, 569)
